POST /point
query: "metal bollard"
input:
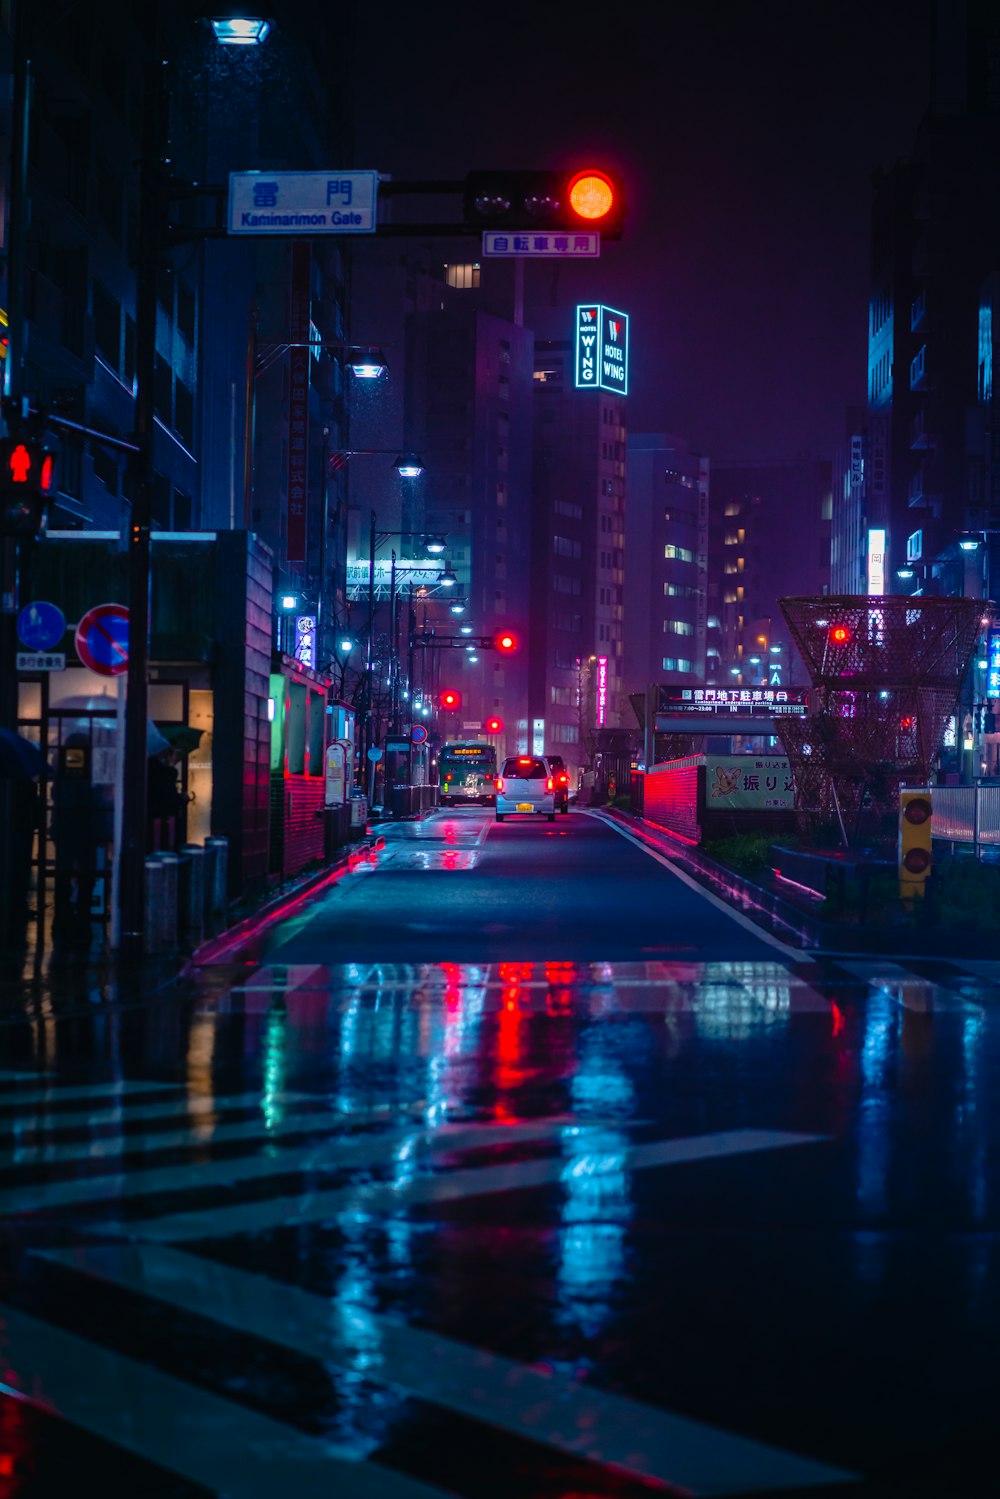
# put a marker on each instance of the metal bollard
(191, 893)
(153, 931)
(169, 911)
(218, 898)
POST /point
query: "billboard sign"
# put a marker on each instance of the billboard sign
(748, 783)
(601, 361)
(764, 702)
(993, 663)
(876, 561)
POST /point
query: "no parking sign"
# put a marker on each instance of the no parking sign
(102, 639)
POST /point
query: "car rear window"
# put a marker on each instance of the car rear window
(524, 768)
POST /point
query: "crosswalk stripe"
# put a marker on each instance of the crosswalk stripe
(344, 1150)
(191, 1106)
(202, 1437)
(612, 1430)
(74, 1093)
(8, 1076)
(386, 1197)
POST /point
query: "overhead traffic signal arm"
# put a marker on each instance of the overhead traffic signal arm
(461, 642)
(529, 199)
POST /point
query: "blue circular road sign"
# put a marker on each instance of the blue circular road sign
(40, 626)
(418, 733)
(102, 639)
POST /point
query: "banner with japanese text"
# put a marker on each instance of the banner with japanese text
(748, 783)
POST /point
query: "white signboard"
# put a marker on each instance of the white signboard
(41, 661)
(555, 246)
(876, 561)
(301, 203)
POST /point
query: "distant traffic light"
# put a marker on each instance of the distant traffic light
(505, 641)
(450, 700)
(494, 725)
(840, 635)
(27, 479)
(539, 200)
(914, 842)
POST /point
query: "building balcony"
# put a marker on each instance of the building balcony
(921, 438)
(918, 311)
(919, 376)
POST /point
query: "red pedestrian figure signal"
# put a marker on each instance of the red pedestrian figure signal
(20, 464)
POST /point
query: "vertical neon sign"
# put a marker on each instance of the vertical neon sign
(602, 689)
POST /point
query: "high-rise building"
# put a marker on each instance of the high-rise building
(666, 564)
(577, 683)
(770, 539)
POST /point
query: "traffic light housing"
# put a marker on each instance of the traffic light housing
(27, 480)
(591, 199)
(450, 700)
(505, 641)
(914, 842)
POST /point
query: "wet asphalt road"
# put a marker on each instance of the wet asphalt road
(509, 1164)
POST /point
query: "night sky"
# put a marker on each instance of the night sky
(747, 134)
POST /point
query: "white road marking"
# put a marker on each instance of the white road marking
(388, 1197)
(7, 1076)
(611, 1430)
(329, 1155)
(209, 1440)
(72, 1094)
(196, 1107)
(714, 900)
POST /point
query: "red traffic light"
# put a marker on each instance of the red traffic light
(840, 634)
(535, 201)
(505, 640)
(917, 809)
(27, 478)
(450, 699)
(494, 725)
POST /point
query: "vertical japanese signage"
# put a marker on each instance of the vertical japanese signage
(305, 639)
(993, 663)
(601, 361)
(298, 405)
(587, 329)
(602, 690)
(876, 561)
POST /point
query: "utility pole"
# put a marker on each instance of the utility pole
(11, 558)
(369, 674)
(133, 852)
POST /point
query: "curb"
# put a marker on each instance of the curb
(227, 943)
(811, 932)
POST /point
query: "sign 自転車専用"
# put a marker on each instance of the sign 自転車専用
(748, 783)
(303, 203)
(559, 246)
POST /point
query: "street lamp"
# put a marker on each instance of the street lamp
(240, 31)
(435, 545)
(969, 543)
(447, 577)
(458, 607)
(409, 466)
(367, 364)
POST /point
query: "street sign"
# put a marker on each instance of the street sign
(418, 733)
(41, 661)
(374, 754)
(40, 626)
(302, 203)
(102, 639)
(553, 246)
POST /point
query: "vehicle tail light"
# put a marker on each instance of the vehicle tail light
(550, 784)
(563, 779)
(499, 783)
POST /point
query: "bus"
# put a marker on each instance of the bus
(467, 771)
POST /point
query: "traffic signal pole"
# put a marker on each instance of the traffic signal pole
(10, 560)
(133, 850)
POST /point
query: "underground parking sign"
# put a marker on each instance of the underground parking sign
(102, 639)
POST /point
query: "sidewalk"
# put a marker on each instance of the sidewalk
(58, 984)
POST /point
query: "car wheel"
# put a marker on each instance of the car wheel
(500, 816)
(551, 816)
(564, 808)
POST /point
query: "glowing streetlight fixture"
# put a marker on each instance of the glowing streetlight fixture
(447, 577)
(409, 466)
(435, 545)
(969, 543)
(240, 31)
(367, 364)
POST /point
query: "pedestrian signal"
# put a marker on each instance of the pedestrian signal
(27, 479)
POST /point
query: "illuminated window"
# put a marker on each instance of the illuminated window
(677, 627)
(739, 595)
(676, 663)
(677, 554)
(462, 277)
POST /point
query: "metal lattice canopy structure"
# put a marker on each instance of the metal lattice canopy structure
(886, 673)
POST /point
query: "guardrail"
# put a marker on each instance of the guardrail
(968, 815)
